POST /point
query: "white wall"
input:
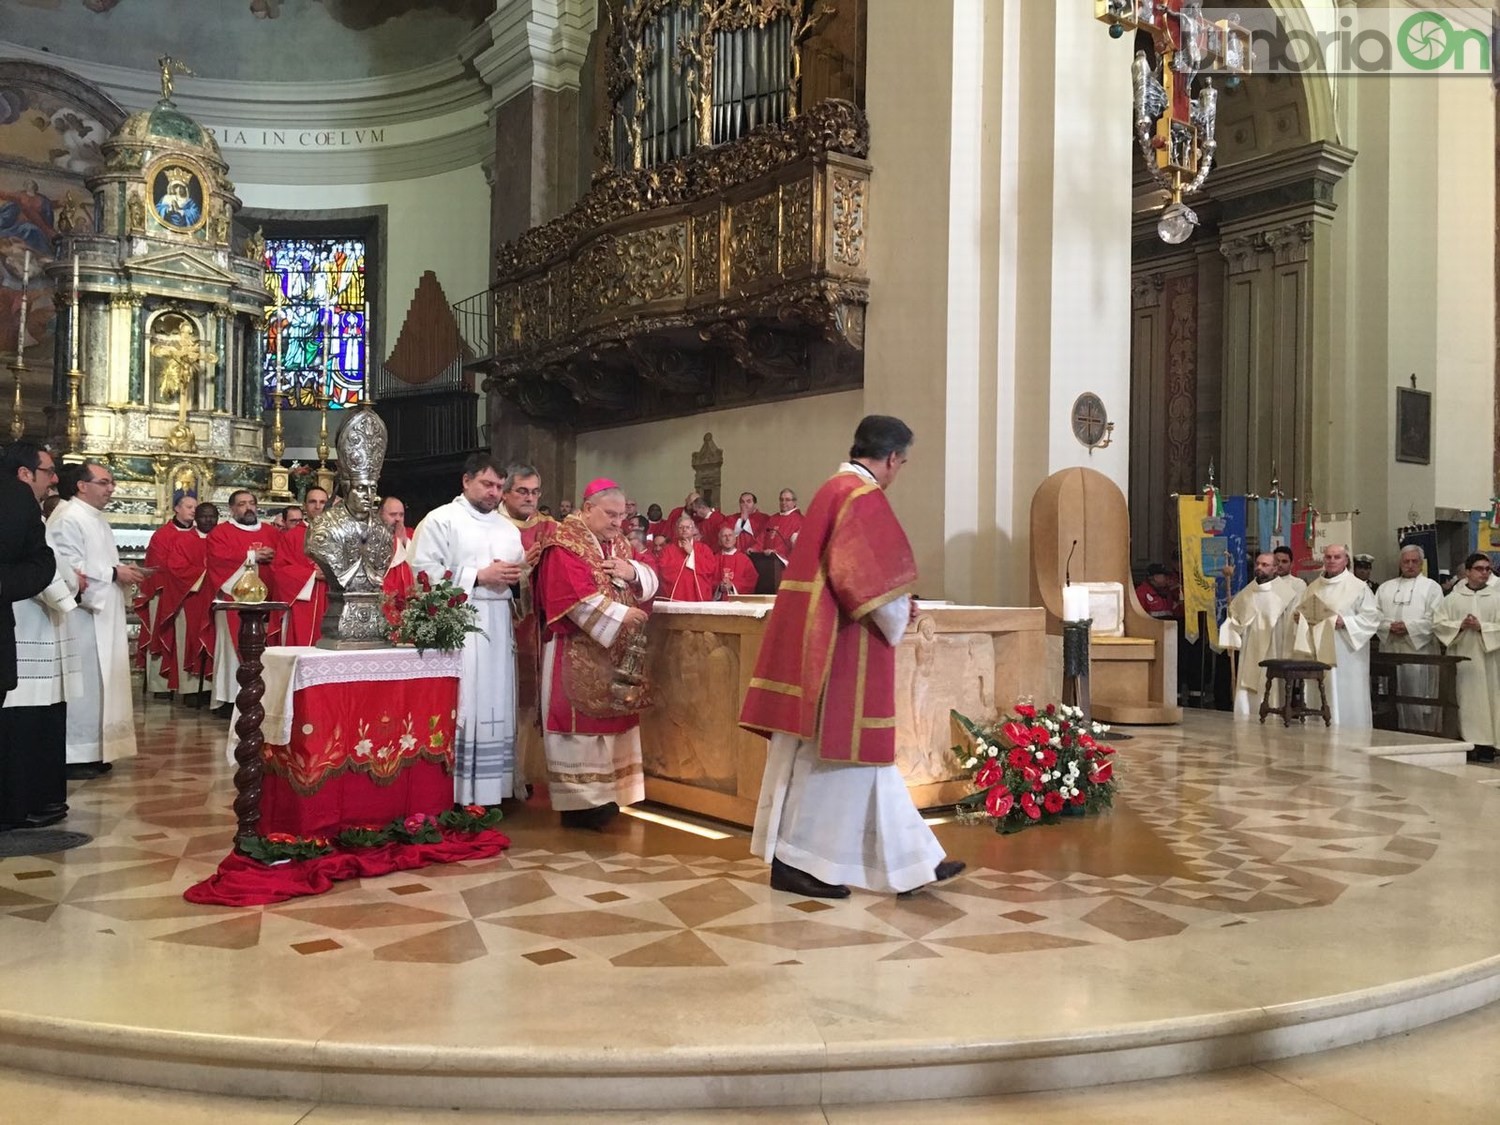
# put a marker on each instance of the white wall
(438, 223)
(766, 448)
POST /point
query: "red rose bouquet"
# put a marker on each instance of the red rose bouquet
(432, 615)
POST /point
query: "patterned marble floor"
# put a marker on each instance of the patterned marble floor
(1245, 870)
(1200, 838)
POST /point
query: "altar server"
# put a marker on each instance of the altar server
(1256, 626)
(834, 808)
(1409, 606)
(101, 721)
(1469, 624)
(482, 549)
(590, 594)
(1334, 622)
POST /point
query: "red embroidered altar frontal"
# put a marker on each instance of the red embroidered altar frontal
(356, 739)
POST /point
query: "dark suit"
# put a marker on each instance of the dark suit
(26, 566)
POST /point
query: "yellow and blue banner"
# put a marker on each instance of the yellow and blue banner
(1203, 555)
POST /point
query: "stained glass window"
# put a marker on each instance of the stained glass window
(315, 342)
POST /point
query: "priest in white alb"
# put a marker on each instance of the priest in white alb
(482, 549)
(1334, 622)
(1256, 627)
(101, 720)
(1469, 624)
(1409, 606)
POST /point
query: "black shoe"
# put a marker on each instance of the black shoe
(162, 694)
(595, 819)
(222, 711)
(1484, 753)
(196, 700)
(45, 819)
(944, 871)
(86, 771)
(786, 878)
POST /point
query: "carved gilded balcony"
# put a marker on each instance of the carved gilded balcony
(733, 274)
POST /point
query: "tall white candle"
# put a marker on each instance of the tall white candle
(21, 326)
(1075, 603)
(74, 319)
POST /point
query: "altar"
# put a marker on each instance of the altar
(974, 659)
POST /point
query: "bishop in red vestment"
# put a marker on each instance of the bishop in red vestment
(733, 568)
(834, 808)
(686, 566)
(590, 595)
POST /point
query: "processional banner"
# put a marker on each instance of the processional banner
(1203, 555)
(1236, 509)
(1484, 535)
(1274, 526)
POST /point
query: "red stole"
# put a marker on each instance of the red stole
(290, 570)
(571, 569)
(678, 583)
(738, 569)
(744, 541)
(825, 670)
(780, 529)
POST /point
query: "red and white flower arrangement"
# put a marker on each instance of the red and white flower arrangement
(432, 615)
(1036, 765)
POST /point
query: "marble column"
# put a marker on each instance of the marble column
(135, 364)
(224, 372)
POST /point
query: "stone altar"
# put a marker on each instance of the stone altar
(976, 659)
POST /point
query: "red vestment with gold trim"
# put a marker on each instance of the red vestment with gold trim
(825, 672)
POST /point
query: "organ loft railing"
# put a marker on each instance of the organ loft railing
(690, 74)
(720, 256)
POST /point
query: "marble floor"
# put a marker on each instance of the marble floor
(1273, 881)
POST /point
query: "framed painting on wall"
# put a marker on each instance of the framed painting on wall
(1413, 426)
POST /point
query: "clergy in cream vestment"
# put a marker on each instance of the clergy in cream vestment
(1409, 606)
(1335, 621)
(1256, 626)
(1469, 625)
(473, 541)
(101, 720)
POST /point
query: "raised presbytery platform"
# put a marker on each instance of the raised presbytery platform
(974, 659)
(1255, 893)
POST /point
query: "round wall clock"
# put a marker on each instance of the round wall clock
(1091, 424)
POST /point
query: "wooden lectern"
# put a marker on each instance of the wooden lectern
(1132, 678)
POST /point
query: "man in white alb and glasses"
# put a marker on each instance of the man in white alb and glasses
(1409, 605)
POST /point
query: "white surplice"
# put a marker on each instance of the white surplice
(45, 660)
(1415, 602)
(1479, 675)
(1256, 626)
(1347, 649)
(585, 771)
(844, 823)
(460, 538)
(101, 721)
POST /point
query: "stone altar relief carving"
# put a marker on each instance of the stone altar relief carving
(950, 671)
(691, 741)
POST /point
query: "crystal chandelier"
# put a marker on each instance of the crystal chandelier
(1176, 129)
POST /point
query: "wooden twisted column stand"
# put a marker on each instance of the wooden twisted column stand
(247, 751)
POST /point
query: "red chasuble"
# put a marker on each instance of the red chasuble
(746, 541)
(571, 569)
(826, 672)
(227, 545)
(180, 566)
(290, 570)
(537, 529)
(678, 583)
(738, 569)
(187, 567)
(148, 603)
(398, 578)
(779, 533)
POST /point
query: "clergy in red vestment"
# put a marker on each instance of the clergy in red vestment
(658, 530)
(736, 573)
(780, 534)
(398, 576)
(642, 549)
(589, 597)
(672, 516)
(297, 580)
(157, 647)
(834, 808)
(708, 519)
(686, 566)
(187, 572)
(749, 525)
(232, 546)
(519, 497)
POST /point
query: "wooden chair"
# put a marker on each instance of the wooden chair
(1133, 678)
(1294, 676)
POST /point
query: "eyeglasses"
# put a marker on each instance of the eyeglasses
(45, 471)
